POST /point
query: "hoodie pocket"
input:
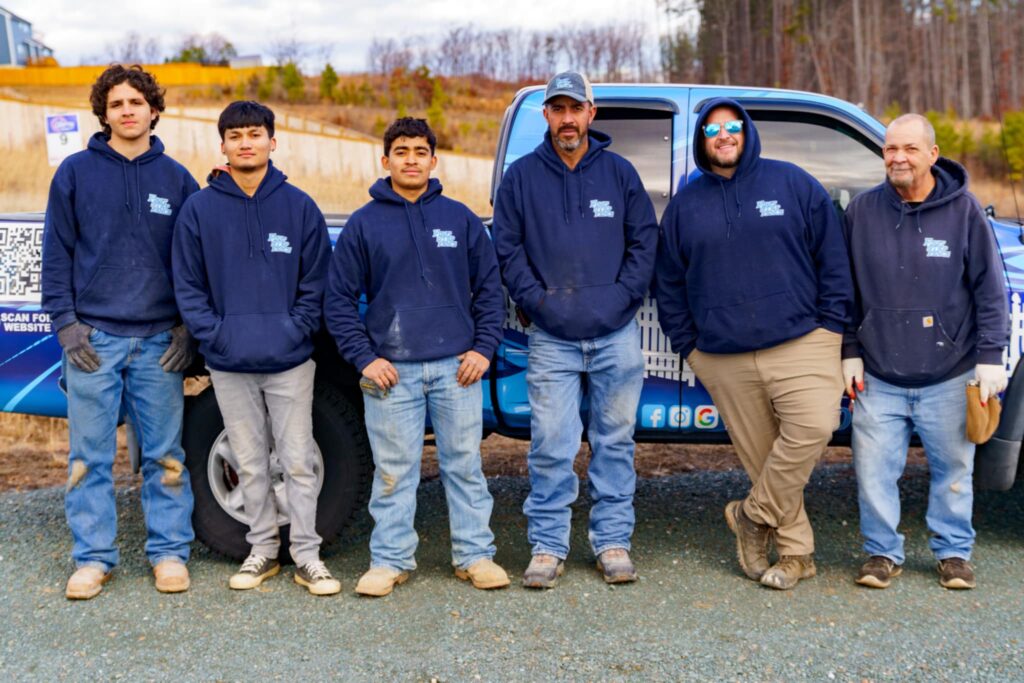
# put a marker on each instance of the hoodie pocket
(910, 344)
(136, 294)
(750, 324)
(421, 333)
(591, 310)
(252, 341)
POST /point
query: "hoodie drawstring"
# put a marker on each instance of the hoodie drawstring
(127, 200)
(248, 232)
(259, 223)
(903, 212)
(725, 209)
(565, 194)
(138, 189)
(416, 242)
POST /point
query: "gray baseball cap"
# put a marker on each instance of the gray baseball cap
(571, 84)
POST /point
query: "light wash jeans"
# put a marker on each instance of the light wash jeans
(129, 375)
(247, 401)
(395, 422)
(614, 367)
(883, 419)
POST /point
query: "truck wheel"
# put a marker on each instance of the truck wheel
(344, 468)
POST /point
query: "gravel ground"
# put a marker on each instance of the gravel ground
(692, 616)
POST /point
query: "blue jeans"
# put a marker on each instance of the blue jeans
(613, 366)
(883, 419)
(129, 375)
(395, 422)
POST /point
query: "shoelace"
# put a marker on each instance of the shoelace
(317, 570)
(252, 564)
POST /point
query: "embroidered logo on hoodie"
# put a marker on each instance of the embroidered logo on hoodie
(771, 208)
(445, 238)
(279, 243)
(602, 209)
(934, 248)
(159, 205)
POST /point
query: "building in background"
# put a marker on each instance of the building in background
(18, 47)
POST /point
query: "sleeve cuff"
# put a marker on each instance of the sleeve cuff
(990, 357)
(851, 350)
(63, 320)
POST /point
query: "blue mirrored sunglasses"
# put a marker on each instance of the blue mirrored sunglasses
(712, 130)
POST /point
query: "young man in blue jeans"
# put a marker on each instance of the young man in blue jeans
(576, 236)
(931, 316)
(107, 289)
(433, 321)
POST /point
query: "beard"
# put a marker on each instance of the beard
(569, 146)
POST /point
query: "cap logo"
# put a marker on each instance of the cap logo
(563, 83)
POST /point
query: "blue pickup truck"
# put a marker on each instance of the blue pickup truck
(651, 125)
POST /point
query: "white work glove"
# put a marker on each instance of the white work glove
(991, 380)
(853, 376)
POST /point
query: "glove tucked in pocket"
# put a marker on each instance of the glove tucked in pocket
(981, 420)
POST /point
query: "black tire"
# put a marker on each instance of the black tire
(347, 470)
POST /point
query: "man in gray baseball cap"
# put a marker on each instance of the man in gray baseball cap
(571, 84)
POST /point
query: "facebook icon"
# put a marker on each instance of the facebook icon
(652, 416)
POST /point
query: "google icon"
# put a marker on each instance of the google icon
(706, 417)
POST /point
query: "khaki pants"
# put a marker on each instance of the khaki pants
(780, 406)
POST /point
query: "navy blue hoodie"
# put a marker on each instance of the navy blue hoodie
(249, 273)
(751, 261)
(107, 239)
(576, 246)
(931, 292)
(429, 274)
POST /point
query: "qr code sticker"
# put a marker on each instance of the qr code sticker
(21, 261)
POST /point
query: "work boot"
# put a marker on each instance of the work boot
(751, 540)
(615, 566)
(85, 583)
(380, 581)
(171, 576)
(543, 571)
(317, 580)
(956, 573)
(878, 572)
(484, 574)
(788, 571)
(254, 571)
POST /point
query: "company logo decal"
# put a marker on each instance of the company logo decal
(159, 205)
(563, 83)
(279, 243)
(770, 208)
(445, 238)
(707, 417)
(935, 248)
(602, 209)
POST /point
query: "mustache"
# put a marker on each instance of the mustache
(569, 127)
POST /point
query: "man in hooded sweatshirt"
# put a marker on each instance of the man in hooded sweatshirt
(754, 291)
(106, 285)
(931, 316)
(250, 263)
(433, 321)
(576, 236)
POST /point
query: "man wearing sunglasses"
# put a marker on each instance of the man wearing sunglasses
(754, 290)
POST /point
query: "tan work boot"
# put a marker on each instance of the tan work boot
(543, 571)
(788, 571)
(171, 576)
(380, 581)
(85, 583)
(615, 566)
(485, 574)
(752, 540)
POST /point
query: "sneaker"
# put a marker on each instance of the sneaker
(317, 580)
(752, 540)
(171, 576)
(956, 573)
(485, 574)
(85, 583)
(380, 581)
(254, 571)
(543, 571)
(788, 571)
(878, 572)
(615, 566)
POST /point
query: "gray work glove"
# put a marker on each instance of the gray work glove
(179, 354)
(74, 339)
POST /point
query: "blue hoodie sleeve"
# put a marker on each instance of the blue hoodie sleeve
(488, 298)
(641, 233)
(828, 249)
(988, 286)
(523, 285)
(191, 287)
(60, 229)
(316, 253)
(345, 283)
(674, 314)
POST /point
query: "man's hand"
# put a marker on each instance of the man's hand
(382, 373)
(853, 375)
(472, 368)
(179, 354)
(991, 380)
(74, 339)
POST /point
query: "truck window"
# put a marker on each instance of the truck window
(644, 136)
(842, 159)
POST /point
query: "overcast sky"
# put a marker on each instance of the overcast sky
(82, 30)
